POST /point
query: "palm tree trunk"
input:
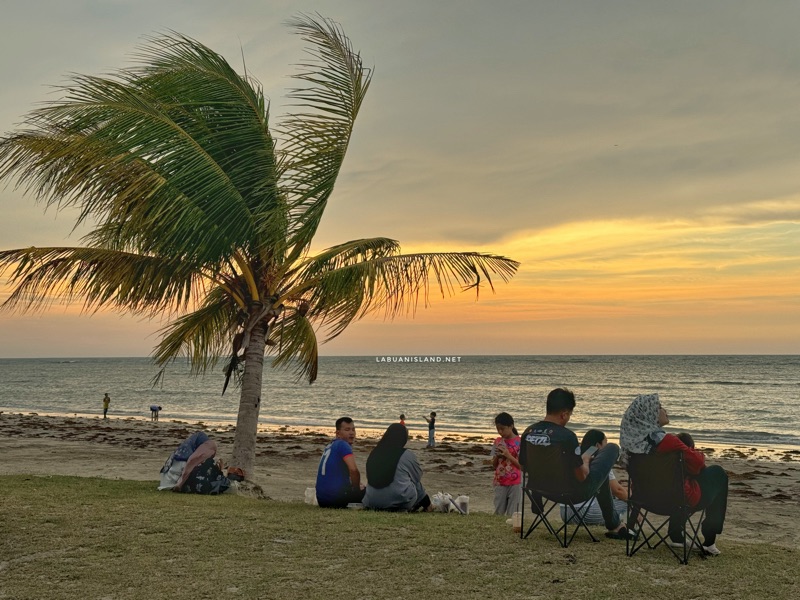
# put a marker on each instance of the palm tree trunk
(244, 441)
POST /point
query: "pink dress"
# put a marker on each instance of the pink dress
(507, 473)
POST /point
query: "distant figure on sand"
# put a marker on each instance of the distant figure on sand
(106, 403)
(394, 476)
(154, 410)
(403, 420)
(338, 479)
(431, 430)
(191, 467)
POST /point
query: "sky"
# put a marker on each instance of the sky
(641, 159)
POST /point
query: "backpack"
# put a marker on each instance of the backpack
(207, 478)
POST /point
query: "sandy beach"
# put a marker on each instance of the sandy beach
(764, 504)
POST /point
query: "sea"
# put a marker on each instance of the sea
(724, 400)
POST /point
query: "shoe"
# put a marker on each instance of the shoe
(711, 550)
(621, 534)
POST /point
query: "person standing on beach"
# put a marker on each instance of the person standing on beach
(154, 410)
(591, 472)
(106, 403)
(338, 478)
(505, 460)
(431, 430)
(403, 420)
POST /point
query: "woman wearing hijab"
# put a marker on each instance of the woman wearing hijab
(394, 477)
(642, 432)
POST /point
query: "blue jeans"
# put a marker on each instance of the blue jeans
(431, 440)
(596, 484)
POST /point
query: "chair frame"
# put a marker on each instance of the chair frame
(666, 499)
(537, 483)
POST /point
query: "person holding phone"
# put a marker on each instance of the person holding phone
(593, 441)
(505, 460)
(590, 469)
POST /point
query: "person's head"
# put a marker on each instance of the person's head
(346, 429)
(593, 437)
(642, 424)
(687, 439)
(505, 425)
(560, 404)
(433, 414)
(402, 417)
(395, 436)
(663, 417)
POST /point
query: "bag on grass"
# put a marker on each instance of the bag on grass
(207, 478)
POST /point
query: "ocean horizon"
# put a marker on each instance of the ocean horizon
(743, 400)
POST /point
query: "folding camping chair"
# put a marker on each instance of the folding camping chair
(656, 488)
(548, 479)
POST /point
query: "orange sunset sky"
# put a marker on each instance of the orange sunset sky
(640, 159)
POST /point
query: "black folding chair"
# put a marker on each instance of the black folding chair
(548, 479)
(656, 488)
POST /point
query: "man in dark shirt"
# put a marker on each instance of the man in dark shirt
(591, 472)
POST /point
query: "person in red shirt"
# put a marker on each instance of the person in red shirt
(642, 432)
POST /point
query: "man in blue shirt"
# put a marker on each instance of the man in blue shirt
(338, 478)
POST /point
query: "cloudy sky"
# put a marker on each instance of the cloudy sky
(640, 158)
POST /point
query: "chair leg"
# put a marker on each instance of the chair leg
(691, 536)
(562, 534)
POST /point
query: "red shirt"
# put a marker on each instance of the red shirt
(694, 461)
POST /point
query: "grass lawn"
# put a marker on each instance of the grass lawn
(69, 537)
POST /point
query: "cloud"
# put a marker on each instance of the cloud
(638, 158)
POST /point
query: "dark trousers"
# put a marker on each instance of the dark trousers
(713, 498)
(424, 503)
(597, 485)
(346, 497)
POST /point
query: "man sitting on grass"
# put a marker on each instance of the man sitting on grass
(338, 478)
(591, 471)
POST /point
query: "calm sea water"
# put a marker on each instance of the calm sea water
(741, 400)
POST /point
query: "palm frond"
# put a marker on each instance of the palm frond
(340, 256)
(395, 284)
(315, 139)
(202, 336)
(294, 342)
(102, 278)
(176, 152)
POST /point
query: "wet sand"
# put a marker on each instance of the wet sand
(764, 503)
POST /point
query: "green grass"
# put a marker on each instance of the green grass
(69, 537)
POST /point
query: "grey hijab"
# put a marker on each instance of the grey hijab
(639, 431)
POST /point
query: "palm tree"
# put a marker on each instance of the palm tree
(200, 216)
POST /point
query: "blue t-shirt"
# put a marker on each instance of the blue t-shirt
(333, 476)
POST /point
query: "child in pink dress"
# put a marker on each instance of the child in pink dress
(507, 473)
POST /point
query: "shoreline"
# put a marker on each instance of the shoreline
(764, 500)
(761, 452)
